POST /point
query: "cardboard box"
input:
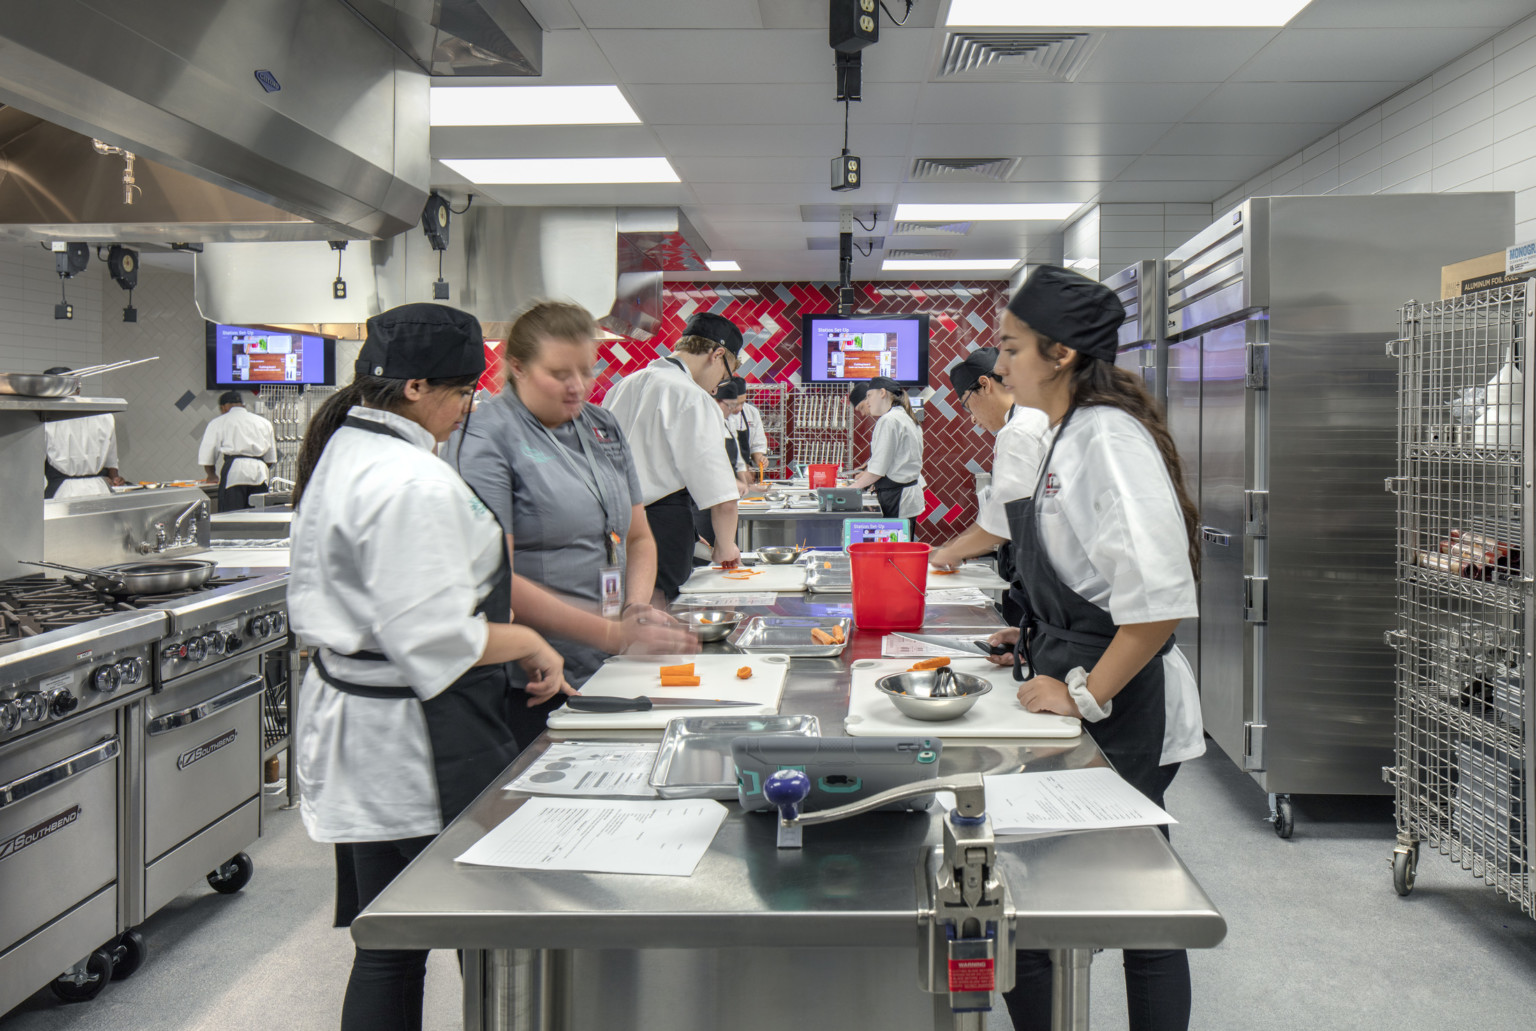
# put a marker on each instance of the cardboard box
(1452, 277)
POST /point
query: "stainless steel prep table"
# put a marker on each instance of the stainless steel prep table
(773, 526)
(760, 939)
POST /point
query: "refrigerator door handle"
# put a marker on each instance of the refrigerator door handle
(1211, 535)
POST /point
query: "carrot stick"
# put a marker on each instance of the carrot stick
(679, 681)
(934, 663)
(685, 670)
(820, 636)
(838, 637)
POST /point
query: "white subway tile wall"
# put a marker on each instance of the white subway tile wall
(1133, 232)
(31, 339)
(1469, 126)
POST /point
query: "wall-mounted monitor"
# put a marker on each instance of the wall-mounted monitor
(254, 356)
(850, 348)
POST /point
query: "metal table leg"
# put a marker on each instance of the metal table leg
(513, 990)
(946, 1019)
(1069, 989)
(295, 674)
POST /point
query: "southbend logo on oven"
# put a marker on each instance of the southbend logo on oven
(32, 835)
(203, 751)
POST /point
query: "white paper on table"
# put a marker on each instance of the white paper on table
(591, 769)
(721, 601)
(958, 596)
(1097, 798)
(666, 837)
(895, 646)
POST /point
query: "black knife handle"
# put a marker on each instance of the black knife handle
(994, 649)
(607, 703)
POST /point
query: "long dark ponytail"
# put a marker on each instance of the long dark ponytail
(1098, 382)
(369, 391)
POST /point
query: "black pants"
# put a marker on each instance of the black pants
(235, 498)
(1157, 990)
(385, 990)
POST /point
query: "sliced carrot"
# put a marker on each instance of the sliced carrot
(705, 619)
(679, 681)
(820, 636)
(685, 670)
(744, 673)
(942, 572)
(934, 663)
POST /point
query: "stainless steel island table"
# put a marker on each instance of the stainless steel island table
(759, 938)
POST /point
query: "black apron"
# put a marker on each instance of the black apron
(233, 498)
(53, 479)
(888, 491)
(468, 724)
(743, 446)
(672, 524)
(1061, 630)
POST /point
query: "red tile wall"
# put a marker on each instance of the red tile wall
(962, 317)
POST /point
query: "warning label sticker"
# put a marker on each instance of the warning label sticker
(972, 975)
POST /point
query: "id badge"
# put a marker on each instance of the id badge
(610, 588)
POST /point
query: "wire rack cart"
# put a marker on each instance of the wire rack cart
(1466, 609)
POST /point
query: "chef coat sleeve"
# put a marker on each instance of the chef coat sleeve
(208, 450)
(882, 448)
(111, 458)
(415, 547)
(696, 435)
(1015, 471)
(757, 441)
(1138, 541)
(484, 458)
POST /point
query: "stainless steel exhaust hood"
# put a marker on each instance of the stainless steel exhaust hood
(250, 119)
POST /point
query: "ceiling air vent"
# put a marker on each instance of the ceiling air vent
(1015, 56)
(902, 252)
(930, 228)
(963, 170)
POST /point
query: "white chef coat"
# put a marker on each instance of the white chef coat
(1115, 534)
(82, 446)
(676, 431)
(757, 437)
(1017, 452)
(392, 553)
(239, 432)
(896, 451)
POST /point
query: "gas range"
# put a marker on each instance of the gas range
(243, 616)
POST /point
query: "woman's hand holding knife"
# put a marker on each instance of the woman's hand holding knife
(546, 674)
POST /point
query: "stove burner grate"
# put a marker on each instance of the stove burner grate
(33, 605)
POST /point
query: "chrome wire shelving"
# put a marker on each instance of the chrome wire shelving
(1465, 603)
(820, 427)
(772, 403)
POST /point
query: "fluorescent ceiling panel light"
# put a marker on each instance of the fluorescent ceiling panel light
(984, 212)
(562, 171)
(723, 266)
(531, 105)
(948, 264)
(1083, 14)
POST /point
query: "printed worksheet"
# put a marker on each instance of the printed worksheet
(724, 601)
(1068, 800)
(958, 596)
(666, 837)
(590, 768)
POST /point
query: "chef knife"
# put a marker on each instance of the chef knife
(953, 645)
(611, 703)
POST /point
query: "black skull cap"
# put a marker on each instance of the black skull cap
(1070, 309)
(965, 375)
(714, 327)
(422, 341)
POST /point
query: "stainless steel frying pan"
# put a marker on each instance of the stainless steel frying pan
(40, 384)
(161, 577)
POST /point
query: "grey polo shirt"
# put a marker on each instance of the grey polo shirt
(542, 498)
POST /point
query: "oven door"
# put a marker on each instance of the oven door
(58, 824)
(202, 753)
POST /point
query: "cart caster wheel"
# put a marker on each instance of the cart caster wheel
(128, 954)
(233, 875)
(1285, 817)
(87, 984)
(1405, 867)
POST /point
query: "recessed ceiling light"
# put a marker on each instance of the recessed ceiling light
(1137, 13)
(531, 105)
(984, 212)
(723, 266)
(948, 264)
(562, 171)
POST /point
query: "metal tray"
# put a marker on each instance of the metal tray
(790, 635)
(828, 572)
(694, 760)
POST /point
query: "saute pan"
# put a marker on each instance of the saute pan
(160, 577)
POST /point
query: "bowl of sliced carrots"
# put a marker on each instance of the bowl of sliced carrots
(710, 624)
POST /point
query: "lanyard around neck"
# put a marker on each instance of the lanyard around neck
(590, 475)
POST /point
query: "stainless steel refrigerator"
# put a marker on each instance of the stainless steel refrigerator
(1142, 347)
(1281, 398)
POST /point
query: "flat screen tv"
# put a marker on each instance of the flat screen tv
(850, 348)
(253, 356)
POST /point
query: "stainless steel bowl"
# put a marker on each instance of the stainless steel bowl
(710, 624)
(911, 693)
(780, 554)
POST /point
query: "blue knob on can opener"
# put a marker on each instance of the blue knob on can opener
(787, 789)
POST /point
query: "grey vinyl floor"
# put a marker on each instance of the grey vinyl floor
(1318, 939)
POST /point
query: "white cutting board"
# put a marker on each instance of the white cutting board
(997, 714)
(786, 579)
(626, 677)
(982, 578)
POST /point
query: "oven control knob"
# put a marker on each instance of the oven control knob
(257, 627)
(232, 644)
(196, 650)
(214, 643)
(279, 623)
(64, 703)
(10, 717)
(131, 670)
(107, 679)
(32, 706)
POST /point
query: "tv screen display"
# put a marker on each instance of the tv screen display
(253, 356)
(850, 348)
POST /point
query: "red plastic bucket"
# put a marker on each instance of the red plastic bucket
(890, 582)
(823, 476)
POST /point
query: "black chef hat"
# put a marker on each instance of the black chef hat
(714, 327)
(58, 370)
(965, 375)
(1071, 309)
(231, 397)
(422, 341)
(731, 389)
(861, 390)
